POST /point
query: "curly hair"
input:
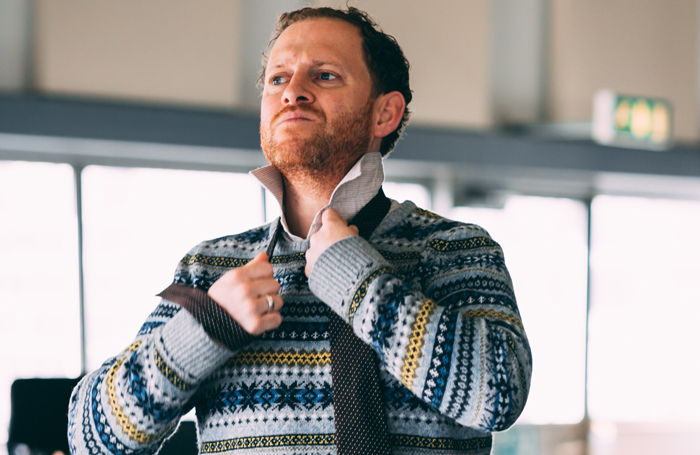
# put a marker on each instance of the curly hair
(387, 65)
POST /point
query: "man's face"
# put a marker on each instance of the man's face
(317, 106)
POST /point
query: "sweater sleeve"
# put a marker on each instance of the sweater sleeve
(451, 333)
(134, 401)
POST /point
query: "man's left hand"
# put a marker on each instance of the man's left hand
(334, 228)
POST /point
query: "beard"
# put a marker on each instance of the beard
(323, 156)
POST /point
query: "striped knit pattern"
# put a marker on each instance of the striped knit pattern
(431, 296)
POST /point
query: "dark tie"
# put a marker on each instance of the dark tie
(360, 419)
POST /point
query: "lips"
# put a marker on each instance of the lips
(294, 116)
(297, 114)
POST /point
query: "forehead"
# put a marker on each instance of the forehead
(323, 40)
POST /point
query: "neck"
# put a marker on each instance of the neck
(303, 198)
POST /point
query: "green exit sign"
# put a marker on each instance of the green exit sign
(631, 121)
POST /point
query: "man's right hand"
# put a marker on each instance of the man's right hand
(242, 293)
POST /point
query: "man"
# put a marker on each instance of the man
(249, 339)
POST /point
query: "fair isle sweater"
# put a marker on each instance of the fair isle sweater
(432, 296)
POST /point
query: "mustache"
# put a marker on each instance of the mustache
(302, 108)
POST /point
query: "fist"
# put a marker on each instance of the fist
(334, 228)
(243, 292)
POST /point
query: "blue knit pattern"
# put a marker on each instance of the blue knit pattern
(432, 297)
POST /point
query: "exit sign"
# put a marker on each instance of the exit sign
(631, 121)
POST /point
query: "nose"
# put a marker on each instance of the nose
(297, 92)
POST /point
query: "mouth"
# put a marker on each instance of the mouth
(294, 117)
(297, 115)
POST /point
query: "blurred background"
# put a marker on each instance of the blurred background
(127, 130)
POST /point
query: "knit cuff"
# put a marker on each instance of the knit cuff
(188, 351)
(340, 270)
(211, 316)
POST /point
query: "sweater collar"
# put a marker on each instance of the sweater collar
(357, 188)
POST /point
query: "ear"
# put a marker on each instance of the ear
(388, 112)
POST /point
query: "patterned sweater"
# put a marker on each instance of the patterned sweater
(432, 296)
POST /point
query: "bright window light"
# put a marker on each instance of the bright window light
(414, 192)
(545, 244)
(40, 310)
(644, 310)
(272, 207)
(138, 223)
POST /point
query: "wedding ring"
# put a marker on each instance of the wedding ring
(270, 303)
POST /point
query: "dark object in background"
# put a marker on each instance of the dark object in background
(39, 416)
(183, 442)
(39, 420)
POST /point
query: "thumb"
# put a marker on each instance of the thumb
(261, 257)
(331, 215)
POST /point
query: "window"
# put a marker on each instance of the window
(138, 223)
(644, 310)
(418, 194)
(40, 311)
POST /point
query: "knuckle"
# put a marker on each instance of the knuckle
(268, 270)
(256, 327)
(234, 275)
(276, 320)
(245, 289)
(250, 306)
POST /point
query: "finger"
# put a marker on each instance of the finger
(269, 321)
(355, 229)
(261, 257)
(331, 216)
(257, 288)
(310, 261)
(258, 268)
(263, 305)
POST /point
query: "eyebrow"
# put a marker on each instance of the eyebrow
(314, 63)
(327, 63)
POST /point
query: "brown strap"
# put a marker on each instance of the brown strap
(214, 319)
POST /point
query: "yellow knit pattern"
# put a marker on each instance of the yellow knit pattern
(127, 427)
(415, 343)
(362, 291)
(329, 439)
(268, 441)
(408, 255)
(456, 245)
(218, 261)
(288, 358)
(494, 315)
(427, 213)
(439, 443)
(168, 372)
(288, 258)
(213, 261)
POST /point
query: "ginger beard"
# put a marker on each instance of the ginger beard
(323, 156)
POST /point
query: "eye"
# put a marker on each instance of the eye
(277, 80)
(324, 76)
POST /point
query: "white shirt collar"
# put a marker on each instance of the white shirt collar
(357, 188)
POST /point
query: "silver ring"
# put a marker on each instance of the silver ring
(270, 303)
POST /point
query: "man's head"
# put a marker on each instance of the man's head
(337, 68)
